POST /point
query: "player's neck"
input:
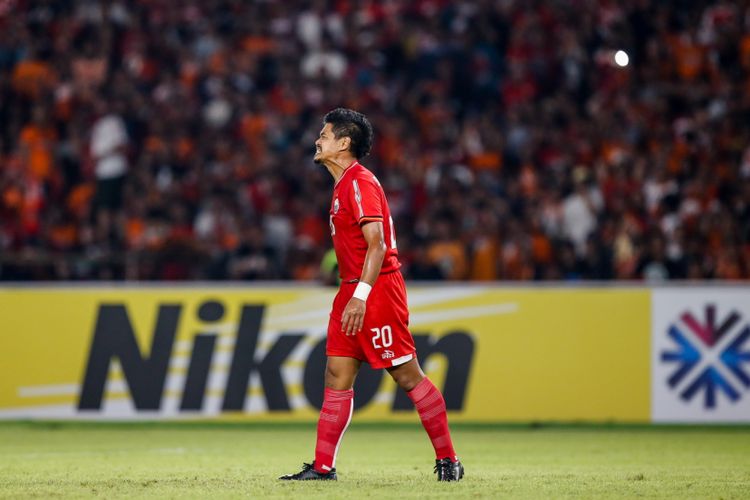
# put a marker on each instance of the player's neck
(337, 166)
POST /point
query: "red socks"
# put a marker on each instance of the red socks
(431, 407)
(334, 419)
(337, 413)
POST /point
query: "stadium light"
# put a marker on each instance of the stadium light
(621, 58)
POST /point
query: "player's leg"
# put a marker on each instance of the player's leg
(343, 362)
(341, 372)
(335, 415)
(338, 405)
(432, 412)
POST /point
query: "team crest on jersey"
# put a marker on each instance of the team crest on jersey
(336, 206)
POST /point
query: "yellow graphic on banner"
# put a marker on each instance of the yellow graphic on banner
(258, 353)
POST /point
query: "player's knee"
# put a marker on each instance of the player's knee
(338, 379)
(407, 380)
(408, 375)
(331, 375)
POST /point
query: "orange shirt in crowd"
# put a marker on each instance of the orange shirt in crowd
(31, 77)
(80, 198)
(64, 235)
(253, 128)
(484, 260)
(451, 255)
(305, 271)
(38, 143)
(541, 248)
(486, 160)
(689, 58)
(135, 232)
(258, 44)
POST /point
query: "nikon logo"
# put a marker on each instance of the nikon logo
(114, 338)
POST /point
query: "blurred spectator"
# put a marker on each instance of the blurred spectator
(109, 141)
(421, 267)
(253, 259)
(447, 252)
(580, 211)
(172, 140)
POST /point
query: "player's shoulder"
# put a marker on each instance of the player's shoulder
(363, 174)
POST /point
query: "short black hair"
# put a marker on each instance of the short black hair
(354, 125)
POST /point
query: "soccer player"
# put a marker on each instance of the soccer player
(369, 320)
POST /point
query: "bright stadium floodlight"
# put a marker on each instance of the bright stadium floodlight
(621, 58)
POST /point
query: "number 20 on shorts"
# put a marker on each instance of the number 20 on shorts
(383, 335)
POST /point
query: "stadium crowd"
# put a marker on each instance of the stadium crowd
(160, 140)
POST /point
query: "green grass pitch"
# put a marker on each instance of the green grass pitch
(380, 461)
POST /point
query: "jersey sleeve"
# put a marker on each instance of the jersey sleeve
(367, 201)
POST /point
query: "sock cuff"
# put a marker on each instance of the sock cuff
(422, 389)
(334, 395)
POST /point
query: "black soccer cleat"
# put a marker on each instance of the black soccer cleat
(448, 470)
(308, 473)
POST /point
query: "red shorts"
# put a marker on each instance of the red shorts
(385, 339)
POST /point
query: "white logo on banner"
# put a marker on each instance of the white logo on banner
(700, 355)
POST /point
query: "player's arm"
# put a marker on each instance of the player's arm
(375, 237)
(354, 313)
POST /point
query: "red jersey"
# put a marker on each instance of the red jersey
(358, 199)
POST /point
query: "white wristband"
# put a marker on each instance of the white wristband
(362, 291)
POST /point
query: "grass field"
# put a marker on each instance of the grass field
(381, 461)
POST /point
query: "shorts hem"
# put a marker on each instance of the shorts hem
(345, 355)
(389, 363)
